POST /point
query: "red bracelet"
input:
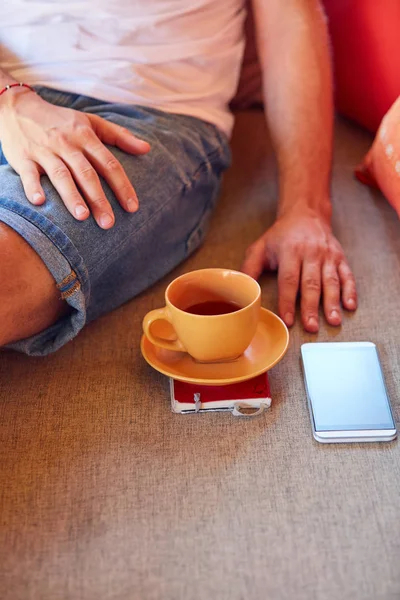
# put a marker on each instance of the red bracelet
(13, 85)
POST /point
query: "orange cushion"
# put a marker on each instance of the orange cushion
(381, 166)
(366, 51)
(366, 54)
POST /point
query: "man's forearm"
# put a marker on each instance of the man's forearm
(294, 53)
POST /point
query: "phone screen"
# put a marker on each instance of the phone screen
(346, 387)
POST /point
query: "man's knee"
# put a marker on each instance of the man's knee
(29, 299)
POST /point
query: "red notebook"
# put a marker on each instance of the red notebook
(246, 398)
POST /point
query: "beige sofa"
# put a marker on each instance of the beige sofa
(106, 495)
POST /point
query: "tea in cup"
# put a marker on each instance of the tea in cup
(213, 312)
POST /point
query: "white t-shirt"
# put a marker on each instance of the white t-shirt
(181, 56)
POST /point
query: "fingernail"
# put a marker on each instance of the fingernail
(289, 319)
(106, 220)
(81, 211)
(312, 323)
(37, 197)
(132, 205)
(351, 303)
(335, 314)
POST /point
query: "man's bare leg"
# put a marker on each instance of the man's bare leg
(29, 299)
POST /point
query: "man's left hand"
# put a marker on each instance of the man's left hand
(310, 260)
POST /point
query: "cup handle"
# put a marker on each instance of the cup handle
(161, 314)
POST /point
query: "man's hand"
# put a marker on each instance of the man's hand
(309, 260)
(68, 146)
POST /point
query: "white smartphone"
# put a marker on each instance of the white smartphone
(346, 393)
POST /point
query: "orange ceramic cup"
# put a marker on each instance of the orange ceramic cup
(210, 333)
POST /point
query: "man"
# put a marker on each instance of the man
(131, 105)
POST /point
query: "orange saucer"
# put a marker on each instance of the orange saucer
(266, 349)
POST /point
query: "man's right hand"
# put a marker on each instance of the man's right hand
(309, 260)
(68, 146)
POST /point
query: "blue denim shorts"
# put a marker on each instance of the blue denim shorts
(96, 270)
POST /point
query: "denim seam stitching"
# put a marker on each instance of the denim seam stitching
(217, 153)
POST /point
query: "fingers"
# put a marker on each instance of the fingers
(89, 184)
(106, 165)
(61, 179)
(336, 278)
(75, 172)
(331, 293)
(310, 294)
(255, 260)
(349, 292)
(288, 286)
(73, 169)
(115, 135)
(30, 177)
(111, 169)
